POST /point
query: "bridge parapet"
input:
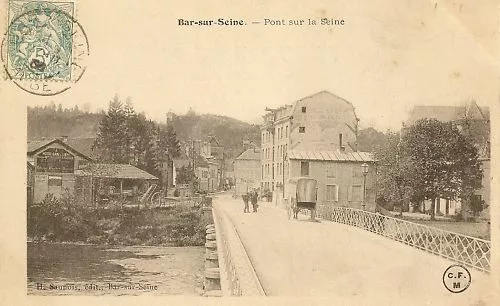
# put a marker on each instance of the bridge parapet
(470, 251)
(237, 276)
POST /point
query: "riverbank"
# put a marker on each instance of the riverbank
(63, 221)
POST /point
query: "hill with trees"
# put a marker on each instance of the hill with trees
(55, 121)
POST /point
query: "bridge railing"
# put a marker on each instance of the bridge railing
(237, 275)
(470, 251)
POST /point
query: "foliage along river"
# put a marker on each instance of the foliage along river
(70, 269)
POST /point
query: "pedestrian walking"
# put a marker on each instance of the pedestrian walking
(253, 199)
(245, 200)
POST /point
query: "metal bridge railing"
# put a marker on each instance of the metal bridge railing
(470, 251)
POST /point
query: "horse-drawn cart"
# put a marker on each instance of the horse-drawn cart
(302, 194)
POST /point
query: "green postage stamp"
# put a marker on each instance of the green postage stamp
(45, 48)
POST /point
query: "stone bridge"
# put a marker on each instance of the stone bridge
(354, 255)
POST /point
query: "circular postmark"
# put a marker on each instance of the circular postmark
(456, 278)
(45, 49)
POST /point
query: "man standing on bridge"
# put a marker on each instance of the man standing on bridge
(245, 200)
(253, 198)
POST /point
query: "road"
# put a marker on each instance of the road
(311, 259)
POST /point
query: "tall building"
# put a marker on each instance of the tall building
(319, 122)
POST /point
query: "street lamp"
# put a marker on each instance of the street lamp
(364, 170)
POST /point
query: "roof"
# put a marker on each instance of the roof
(295, 104)
(324, 92)
(35, 146)
(118, 171)
(331, 156)
(249, 154)
(84, 145)
(447, 113)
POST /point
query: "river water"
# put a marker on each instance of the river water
(69, 269)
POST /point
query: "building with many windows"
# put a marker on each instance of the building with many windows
(322, 121)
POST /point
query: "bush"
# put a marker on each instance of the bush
(61, 220)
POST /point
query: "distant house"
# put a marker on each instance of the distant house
(476, 120)
(206, 170)
(247, 172)
(339, 175)
(51, 166)
(322, 121)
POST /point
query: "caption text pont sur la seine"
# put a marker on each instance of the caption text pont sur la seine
(265, 22)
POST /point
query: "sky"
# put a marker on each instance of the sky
(389, 56)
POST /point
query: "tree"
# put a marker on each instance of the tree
(443, 163)
(370, 140)
(111, 142)
(169, 148)
(476, 205)
(394, 173)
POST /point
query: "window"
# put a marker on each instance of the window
(55, 180)
(304, 109)
(304, 168)
(332, 193)
(302, 129)
(356, 193)
(286, 131)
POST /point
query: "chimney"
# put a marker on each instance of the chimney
(64, 138)
(341, 144)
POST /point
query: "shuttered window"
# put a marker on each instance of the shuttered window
(332, 193)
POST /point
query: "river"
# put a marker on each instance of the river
(71, 269)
